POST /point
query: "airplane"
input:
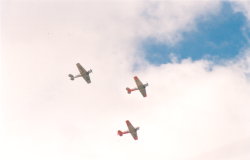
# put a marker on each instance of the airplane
(140, 86)
(83, 73)
(132, 130)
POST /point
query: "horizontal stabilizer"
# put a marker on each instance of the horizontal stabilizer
(128, 90)
(120, 133)
(71, 77)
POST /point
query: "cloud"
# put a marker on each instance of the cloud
(242, 6)
(167, 20)
(193, 108)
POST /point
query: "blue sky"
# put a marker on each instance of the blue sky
(219, 37)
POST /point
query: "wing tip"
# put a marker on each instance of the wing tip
(128, 122)
(136, 78)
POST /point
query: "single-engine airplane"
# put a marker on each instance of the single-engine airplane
(140, 86)
(83, 73)
(132, 130)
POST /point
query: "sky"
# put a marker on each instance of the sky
(216, 37)
(194, 55)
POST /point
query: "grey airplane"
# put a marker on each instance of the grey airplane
(83, 73)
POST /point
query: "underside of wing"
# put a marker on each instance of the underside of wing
(131, 128)
(143, 91)
(138, 82)
(134, 135)
(86, 78)
(81, 69)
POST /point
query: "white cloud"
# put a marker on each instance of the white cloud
(189, 111)
(167, 20)
(242, 6)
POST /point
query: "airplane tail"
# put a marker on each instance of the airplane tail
(120, 133)
(128, 90)
(71, 77)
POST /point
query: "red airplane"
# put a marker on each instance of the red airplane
(140, 86)
(132, 130)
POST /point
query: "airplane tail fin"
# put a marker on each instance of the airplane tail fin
(71, 77)
(128, 90)
(120, 133)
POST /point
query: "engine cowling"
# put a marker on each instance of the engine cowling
(90, 71)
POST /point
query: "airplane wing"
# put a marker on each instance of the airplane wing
(83, 73)
(140, 86)
(137, 81)
(87, 78)
(134, 135)
(132, 130)
(81, 69)
(143, 91)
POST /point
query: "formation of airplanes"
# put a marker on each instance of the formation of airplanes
(140, 86)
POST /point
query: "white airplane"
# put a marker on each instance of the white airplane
(132, 130)
(83, 73)
(140, 86)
